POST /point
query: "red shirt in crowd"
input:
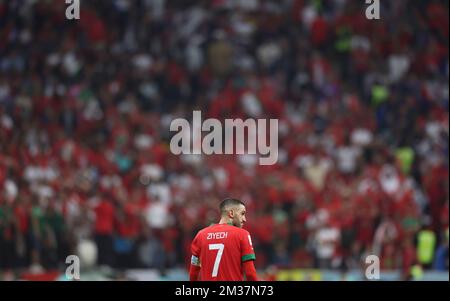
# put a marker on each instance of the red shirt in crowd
(104, 222)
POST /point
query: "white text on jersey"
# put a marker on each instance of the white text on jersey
(217, 235)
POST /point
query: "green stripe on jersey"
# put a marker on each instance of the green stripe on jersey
(248, 257)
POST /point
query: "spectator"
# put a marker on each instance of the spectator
(103, 230)
(441, 257)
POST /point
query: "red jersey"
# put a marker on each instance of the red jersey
(220, 250)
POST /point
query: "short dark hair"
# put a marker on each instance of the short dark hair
(229, 202)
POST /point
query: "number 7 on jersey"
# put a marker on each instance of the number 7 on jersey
(219, 247)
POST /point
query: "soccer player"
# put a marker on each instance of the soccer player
(224, 251)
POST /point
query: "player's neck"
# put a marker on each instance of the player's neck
(224, 221)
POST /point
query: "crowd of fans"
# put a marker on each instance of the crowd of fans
(85, 109)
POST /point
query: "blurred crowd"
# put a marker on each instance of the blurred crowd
(85, 109)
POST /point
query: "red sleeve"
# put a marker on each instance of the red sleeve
(250, 271)
(247, 252)
(193, 273)
(195, 260)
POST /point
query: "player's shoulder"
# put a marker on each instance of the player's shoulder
(239, 231)
(206, 229)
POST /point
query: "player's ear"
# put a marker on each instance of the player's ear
(231, 213)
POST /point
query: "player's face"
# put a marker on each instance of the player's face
(239, 218)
